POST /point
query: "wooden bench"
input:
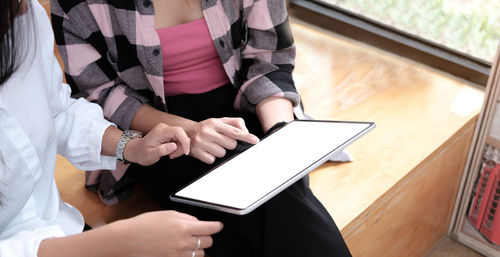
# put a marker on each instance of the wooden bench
(396, 198)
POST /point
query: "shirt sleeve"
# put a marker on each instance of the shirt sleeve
(26, 243)
(90, 69)
(268, 57)
(80, 126)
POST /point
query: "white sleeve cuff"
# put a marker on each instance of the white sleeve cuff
(97, 160)
(26, 243)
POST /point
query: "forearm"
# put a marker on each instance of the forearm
(104, 241)
(110, 141)
(272, 110)
(147, 117)
(160, 141)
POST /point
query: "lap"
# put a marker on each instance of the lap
(293, 223)
(267, 231)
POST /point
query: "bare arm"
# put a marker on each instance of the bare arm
(272, 110)
(97, 242)
(165, 233)
(147, 117)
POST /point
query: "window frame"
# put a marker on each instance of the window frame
(372, 32)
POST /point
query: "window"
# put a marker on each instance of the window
(457, 36)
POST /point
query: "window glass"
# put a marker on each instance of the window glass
(469, 26)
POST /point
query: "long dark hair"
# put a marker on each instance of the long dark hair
(11, 52)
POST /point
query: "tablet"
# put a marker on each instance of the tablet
(249, 179)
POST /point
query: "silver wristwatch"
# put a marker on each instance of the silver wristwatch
(126, 136)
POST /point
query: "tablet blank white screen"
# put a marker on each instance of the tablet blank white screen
(254, 173)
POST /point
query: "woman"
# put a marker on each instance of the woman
(38, 120)
(195, 64)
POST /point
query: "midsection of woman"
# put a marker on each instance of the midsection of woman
(199, 70)
(191, 64)
(173, 13)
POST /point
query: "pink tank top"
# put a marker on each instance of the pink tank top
(191, 64)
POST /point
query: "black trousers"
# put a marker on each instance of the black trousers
(293, 223)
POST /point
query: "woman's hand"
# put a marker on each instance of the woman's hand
(210, 138)
(168, 234)
(160, 141)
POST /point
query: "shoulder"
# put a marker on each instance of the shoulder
(66, 6)
(78, 5)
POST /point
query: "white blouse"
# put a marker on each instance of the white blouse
(38, 119)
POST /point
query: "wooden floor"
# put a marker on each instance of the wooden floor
(408, 166)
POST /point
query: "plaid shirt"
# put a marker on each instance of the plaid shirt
(112, 55)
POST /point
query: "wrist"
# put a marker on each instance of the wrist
(275, 127)
(272, 110)
(119, 235)
(125, 139)
(190, 128)
(130, 150)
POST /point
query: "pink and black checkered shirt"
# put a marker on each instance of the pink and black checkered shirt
(112, 56)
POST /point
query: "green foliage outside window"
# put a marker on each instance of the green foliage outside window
(470, 26)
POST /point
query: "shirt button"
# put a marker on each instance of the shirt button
(156, 52)
(146, 4)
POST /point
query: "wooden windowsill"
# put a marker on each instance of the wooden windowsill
(416, 110)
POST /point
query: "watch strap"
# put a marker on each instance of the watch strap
(127, 135)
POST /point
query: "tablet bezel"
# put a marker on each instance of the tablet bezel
(278, 189)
